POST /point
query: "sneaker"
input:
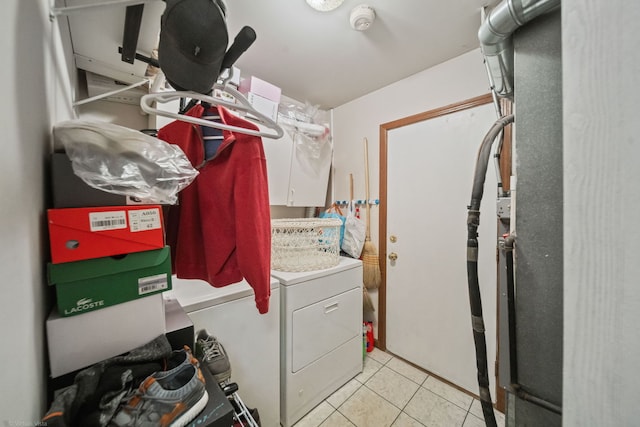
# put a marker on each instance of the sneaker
(179, 358)
(167, 398)
(212, 353)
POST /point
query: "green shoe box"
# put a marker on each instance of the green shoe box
(88, 285)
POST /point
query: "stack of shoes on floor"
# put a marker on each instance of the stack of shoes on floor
(172, 397)
(149, 386)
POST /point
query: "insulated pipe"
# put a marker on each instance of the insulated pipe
(495, 38)
(483, 159)
(475, 301)
(496, 163)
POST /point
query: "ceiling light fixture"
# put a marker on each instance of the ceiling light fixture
(361, 17)
(324, 5)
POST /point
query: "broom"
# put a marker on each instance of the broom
(370, 263)
(367, 302)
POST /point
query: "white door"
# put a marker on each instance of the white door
(430, 168)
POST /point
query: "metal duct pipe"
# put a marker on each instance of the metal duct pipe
(495, 38)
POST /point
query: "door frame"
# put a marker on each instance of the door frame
(382, 224)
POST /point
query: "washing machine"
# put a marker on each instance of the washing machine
(320, 335)
(251, 339)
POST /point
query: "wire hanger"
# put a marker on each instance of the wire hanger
(246, 36)
(242, 105)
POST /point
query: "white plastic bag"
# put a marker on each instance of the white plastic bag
(120, 160)
(307, 128)
(354, 234)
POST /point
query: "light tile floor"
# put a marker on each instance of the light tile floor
(390, 392)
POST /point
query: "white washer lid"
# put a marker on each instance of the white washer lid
(193, 294)
(287, 278)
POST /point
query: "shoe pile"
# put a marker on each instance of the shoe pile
(213, 354)
(172, 397)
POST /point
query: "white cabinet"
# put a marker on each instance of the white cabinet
(320, 335)
(297, 177)
(251, 339)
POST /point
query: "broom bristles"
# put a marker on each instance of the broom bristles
(367, 303)
(371, 276)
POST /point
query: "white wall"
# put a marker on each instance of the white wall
(453, 81)
(601, 88)
(32, 99)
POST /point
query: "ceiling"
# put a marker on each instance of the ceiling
(317, 57)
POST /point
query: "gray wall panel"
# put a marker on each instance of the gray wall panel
(538, 165)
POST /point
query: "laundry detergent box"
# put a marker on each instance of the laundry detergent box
(263, 105)
(77, 234)
(92, 284)
(261, 88)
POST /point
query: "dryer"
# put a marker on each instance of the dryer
(321, 344)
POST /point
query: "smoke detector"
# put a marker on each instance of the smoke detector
(361, 17)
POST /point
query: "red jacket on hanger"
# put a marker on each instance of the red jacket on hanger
(221, 230)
